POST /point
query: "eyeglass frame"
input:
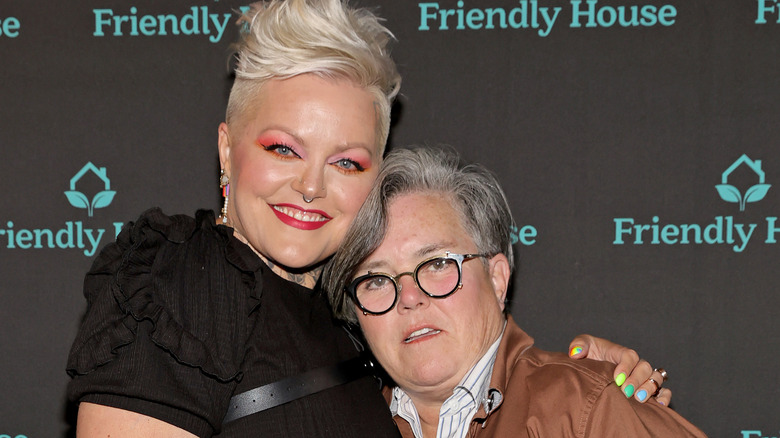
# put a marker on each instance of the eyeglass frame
(351, 289)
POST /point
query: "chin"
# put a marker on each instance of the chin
(427, 373)
(298, 260)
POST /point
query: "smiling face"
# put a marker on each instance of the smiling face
(303, 136)
(427, 344)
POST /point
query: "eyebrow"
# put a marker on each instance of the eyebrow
(340, 147)
(283, 129)
(421, 253)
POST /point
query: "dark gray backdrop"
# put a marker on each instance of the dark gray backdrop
(584, 126)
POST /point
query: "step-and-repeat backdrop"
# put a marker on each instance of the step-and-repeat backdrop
(637, 141)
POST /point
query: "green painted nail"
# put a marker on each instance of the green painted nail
(620, 379)
(629, 390)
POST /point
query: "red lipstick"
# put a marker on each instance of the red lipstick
(308, 219)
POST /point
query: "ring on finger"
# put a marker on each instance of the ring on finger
(663, 373)
(657, 387)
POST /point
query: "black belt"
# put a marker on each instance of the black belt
(292, 388)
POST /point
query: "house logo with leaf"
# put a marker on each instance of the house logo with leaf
(100, 200)
(755, 193)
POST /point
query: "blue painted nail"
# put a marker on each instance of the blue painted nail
(641, 395)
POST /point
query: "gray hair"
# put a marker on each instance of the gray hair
(472, 189)
(285, 38)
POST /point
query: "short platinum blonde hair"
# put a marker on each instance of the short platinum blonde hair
(285, 38)
(473, 191)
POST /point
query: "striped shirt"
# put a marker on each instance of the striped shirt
(457, 411)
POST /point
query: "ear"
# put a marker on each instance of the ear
(499, 275)
(224, 147)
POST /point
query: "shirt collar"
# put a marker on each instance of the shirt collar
(472, 391)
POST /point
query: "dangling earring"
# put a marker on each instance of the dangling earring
(224, 184)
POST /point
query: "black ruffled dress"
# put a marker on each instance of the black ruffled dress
(181, 315)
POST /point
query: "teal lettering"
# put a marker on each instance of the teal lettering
(118, 20)
(749, 433)
(763, 9)
(459, 13)
(133, 21)
(527, 235)
(656, 232)
(639, 229)
(94, 241)
(669, 234)
(686, 229)
(590, 13)
(729, 230)
(79, 237)
(491, 15)
(528, 15)
(197, 21)
(443, 14)
(148, 25)
(523, 17)
(624, 16)
(649, 17)
(71, 236)
(219, 26)
(10, 233)
(474, 18)
(667, 15)
(606, 22)
(744, 237)
(10, 27)
(39, 234)
(620, 230)
(771, 229)
(204, 19)
(117, 228)
(64, 237)
(713, 233)
(23, 238)
(425, 15)
(549, 20)
(193, 28)
(162, 19)
(100, 21)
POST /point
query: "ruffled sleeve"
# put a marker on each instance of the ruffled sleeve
(167, 321)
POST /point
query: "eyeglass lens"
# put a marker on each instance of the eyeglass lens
(437, 277)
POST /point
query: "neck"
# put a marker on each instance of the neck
(305, 277)
(428, 407)
(429, 417)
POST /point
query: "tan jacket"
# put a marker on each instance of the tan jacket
(543, 394)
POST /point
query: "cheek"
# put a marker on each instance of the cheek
(375, 332)
(352, 192)
(255, 174)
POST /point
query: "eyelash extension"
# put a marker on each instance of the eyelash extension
(358, 167)
(276, 145)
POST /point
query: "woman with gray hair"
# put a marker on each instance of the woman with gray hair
(424, 271)
(479, 200)
(213, 325)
